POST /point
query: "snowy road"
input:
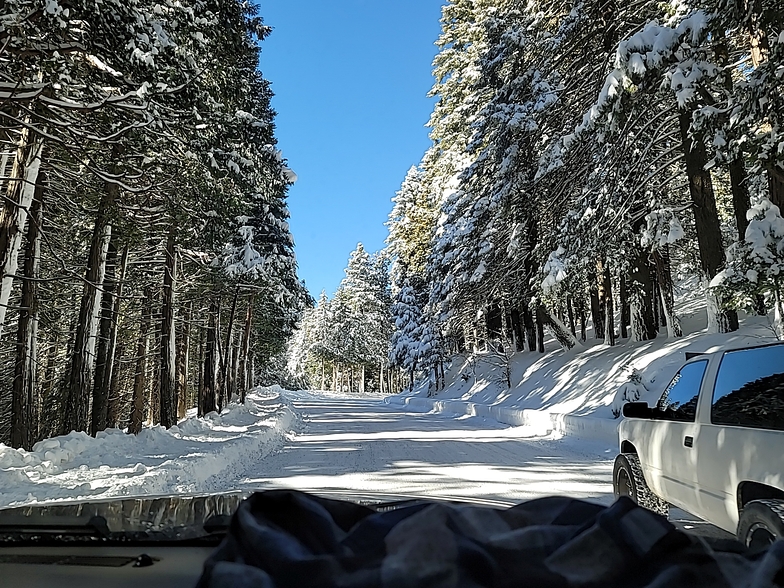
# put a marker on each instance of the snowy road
(364, 447)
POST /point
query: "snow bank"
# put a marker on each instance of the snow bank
(199, 455)
(580, 392)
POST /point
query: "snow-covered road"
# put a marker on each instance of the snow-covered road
(361, 446)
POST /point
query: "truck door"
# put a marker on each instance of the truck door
(676, 435)
(744, 440)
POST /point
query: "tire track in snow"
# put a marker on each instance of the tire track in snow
(363, 447)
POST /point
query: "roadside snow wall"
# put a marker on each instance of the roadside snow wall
(198, 455)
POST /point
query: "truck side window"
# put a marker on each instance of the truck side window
(679, 401)
(749, 389)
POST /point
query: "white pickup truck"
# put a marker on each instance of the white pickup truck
(713, 445)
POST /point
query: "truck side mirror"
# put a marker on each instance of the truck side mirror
(637, 410)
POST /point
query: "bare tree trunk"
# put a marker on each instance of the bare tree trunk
(776, 186)
(47, 386)
(115, 395)
(570, 314)
(226, 355)
(641, 297)
(519, 331)
(596, 313)
(140, 379)
(235, 367)
(100, 390)
(664, 276)
(207, 402)
(109, 382)
(579, 307)
(81, 366)
(606, 302)
(539, 328)
(362, 380)
(24, 425)
(13, 218)
(707, 223)
(625, 318)
(245, 383)
(202, 362)
(168, 378)
(182, 360)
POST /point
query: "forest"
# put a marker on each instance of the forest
(147, 261)
(586, 157)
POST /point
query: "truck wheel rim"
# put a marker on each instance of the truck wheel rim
(759, 537)
(624, 484)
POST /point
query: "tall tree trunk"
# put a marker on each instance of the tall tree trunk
(183, 348)
(776, 186)
(707, 223)
(244, 379)
(140, 378)
(234, 367)
(115, 394)
(570, 314)
(168, 354)
(207, 402)
(741, 201)
(517, 327)
(530, 328)
(24, 425)
(110, 382)
(50, 372)
(661, 257)
(539, 328)
(226, 357)
(625, 318)
(362, 380)
(100, 409)
(202, 362)
(13, 218)
(641, 297)
(597, 316)
(655, 302)
(606, 302)
(580, 304)
(81, 365)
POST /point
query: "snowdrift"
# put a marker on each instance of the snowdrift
(197, 456)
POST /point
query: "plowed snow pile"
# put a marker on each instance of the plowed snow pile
(192, 457)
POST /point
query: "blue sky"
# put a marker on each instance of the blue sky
(350, 79)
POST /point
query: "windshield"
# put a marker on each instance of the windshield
(380, 251)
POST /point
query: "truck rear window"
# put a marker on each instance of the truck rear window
(749, 389)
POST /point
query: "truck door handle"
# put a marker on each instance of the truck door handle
(688, 441)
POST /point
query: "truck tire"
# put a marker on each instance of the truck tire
(761, 523)
(629, 481)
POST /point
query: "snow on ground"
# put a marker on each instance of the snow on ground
(586, 381)
(363, 448)
(199, 455)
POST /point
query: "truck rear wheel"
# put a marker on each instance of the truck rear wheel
(761, 523)
(629, 481)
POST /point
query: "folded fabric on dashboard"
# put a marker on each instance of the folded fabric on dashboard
(288, 539)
